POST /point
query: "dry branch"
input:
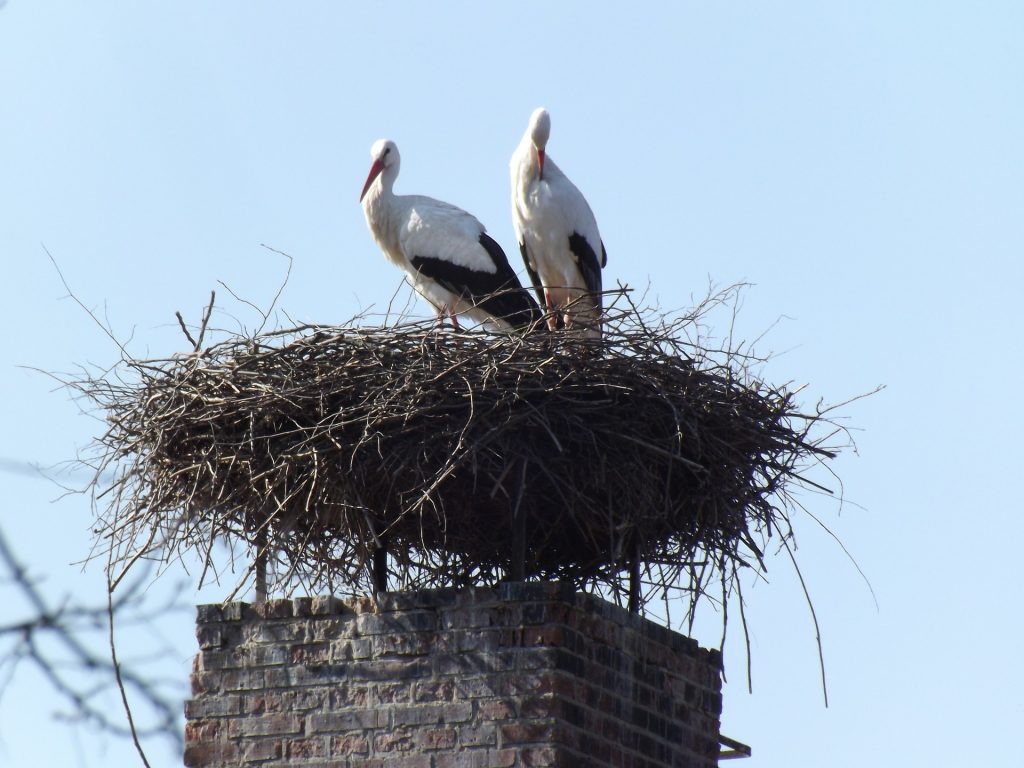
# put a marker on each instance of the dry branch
(325, 441)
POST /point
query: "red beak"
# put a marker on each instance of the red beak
(375, 169)
(540, 162)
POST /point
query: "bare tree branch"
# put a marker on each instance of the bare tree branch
(54, 638)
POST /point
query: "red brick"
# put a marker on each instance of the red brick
(392, 761)
(528, 732)
(311, 653)
(546, 705)
(349, 744)
(346, 720)
(306, 748)
(476, 758)
(390, 693)
(237, 611)
(242, 679)
(267, 655)
(475, 663)
(434, 690)
(262, 749)
(497, 709)
(280, 632)
(501, 758)
(275, 609)
(477, 687)
(403, 644)
(532, 683)
(539, 757)
(537, 682)
(206, 682)
(467, 618)
(210, 637)
(478, 734)
(264, 725)
(203, 730)
(198, 755)
(326, 605)
(323, 629)
(298, 701)
(213, 706)
(436, 738)
(348, 695)
(544, 635)
(397, 740)
(278, 677)
(478, 640)
(432, 714)
(352, 649)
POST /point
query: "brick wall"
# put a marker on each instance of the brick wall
(522, 675)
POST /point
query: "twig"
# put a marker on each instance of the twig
(184, 329)
(325, 439)
(71, 294)
(206, 320)
(117, 674)
(814, 618)
(67, 627)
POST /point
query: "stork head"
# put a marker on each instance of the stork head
(384, 154)
(540, 130)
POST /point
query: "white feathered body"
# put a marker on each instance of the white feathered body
(547, 212)
(443, 250)
(416, 224)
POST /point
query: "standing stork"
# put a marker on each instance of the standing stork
(446, 253)
(557, 233)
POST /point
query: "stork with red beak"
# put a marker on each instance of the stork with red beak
(557, 233)
(445, 252)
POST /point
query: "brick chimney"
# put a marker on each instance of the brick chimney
(522, 675)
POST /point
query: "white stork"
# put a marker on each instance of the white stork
(557, 232)
(449, 258)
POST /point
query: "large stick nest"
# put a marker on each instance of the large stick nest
(317, 444)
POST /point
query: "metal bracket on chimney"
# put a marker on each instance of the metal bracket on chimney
(735, 749)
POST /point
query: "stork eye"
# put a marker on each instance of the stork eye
(386, 150)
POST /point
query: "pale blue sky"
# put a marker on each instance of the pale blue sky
(861, 163)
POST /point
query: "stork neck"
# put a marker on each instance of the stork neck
(527, 168)
(381, 209)
(384, 187)
(381, 192)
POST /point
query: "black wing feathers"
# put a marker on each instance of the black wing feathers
(589, 266)
(499, 293)
(534, 277)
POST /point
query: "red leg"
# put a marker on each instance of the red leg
(552, 319)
